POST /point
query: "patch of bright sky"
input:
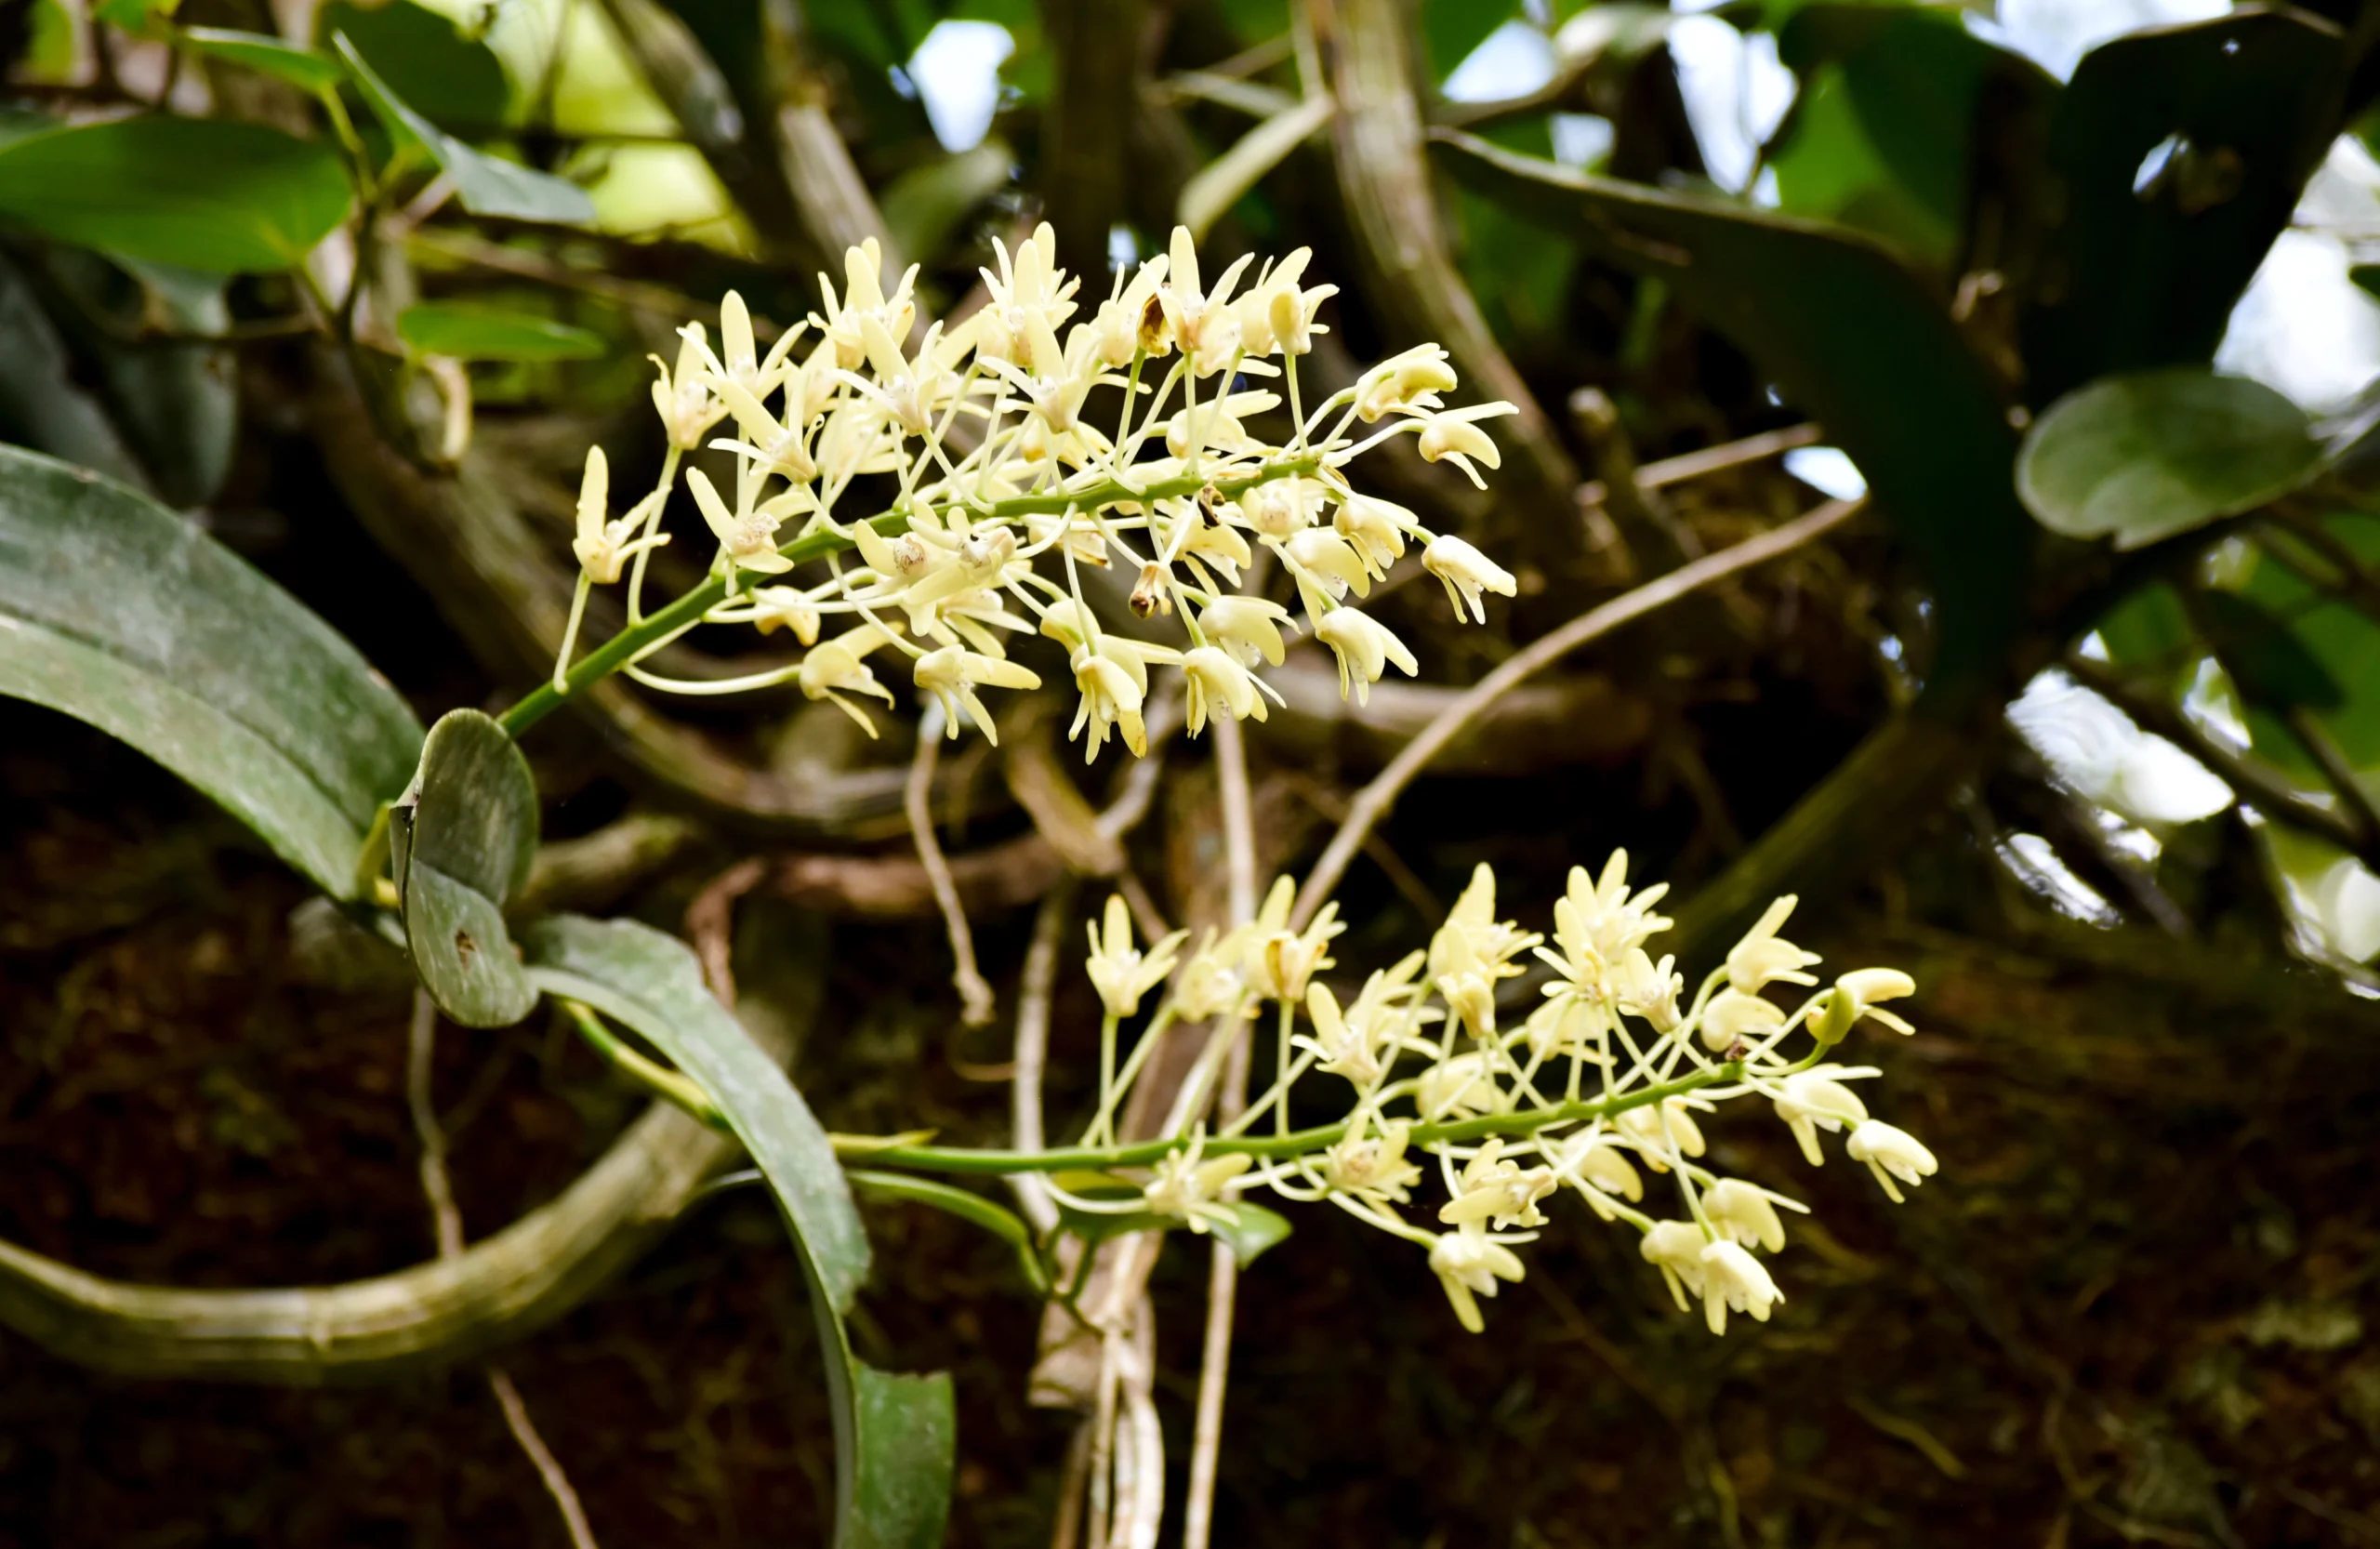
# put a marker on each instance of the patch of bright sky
(957, 74)
(2056, 33)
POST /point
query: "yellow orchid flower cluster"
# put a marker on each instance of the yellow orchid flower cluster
(1036, 438)
(1604, 1080)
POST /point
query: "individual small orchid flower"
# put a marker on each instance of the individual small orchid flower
(1468, 1263)
(1204, 325)
(838, 667)
(1282, 962)
(1675, 1249)
(1650, 990)
(777, 447)
(1029, 292)
(1410, 380)
(953, 673)
(1645, 1127)
(1733, 1016)
(1188, 1190)
(1762, 958)
(1216, 680)
(1131, 321)
(1339, 1048)
(1246, 628)
(603, 548)
(776, 608)
(1363, 647)
(1376, 528)
(1109, 699)
(1471, 923)
(1591, 1163)
(748, 538)
(1743, 1212)
(862, 299)
(1854, 994)
(1120, 971)
(1601, 919)
(1282, 508)
(1219, 426)
(1494, 1192)
(682, 397)
(1466, 982)
(1890, 1153)
(1274, 316)
(738, 363)
(1454, 436)
(1458, 1088)
(1214, 980)
(1733, 1279)
(1373, 1166)
(1325, 565)
(1217, 544)
(1467, 573)
(1815, 1099)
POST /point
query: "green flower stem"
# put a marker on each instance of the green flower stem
(1297, 1142)
(688, 610)
(1000, 1222)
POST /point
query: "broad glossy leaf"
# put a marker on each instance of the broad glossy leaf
(462, 841)
(894, 1435)
(1851, 336)
(2145, 454)
(474, 333)
(119, 613)
(451, 80)
(199, 193)
(484, 184)
(2228, 117)
(267, 55)
(176, 405)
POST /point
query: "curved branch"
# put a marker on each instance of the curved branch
(494, 1292)
(1364, 54)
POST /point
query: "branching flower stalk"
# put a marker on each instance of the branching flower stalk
(1602, 1090)
(988, 536)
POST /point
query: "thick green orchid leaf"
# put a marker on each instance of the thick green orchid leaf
(268, 55)
(122, 613)
(462, 841)
(1851, 336)
(200, 192)
(450, 78)
(2177, 155)
(894, 1435)
(484, 184)
(477, 333)
(2145, 454)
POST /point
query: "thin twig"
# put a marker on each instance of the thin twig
(1372, 802)
(1223, 1268)
(1032, 995)
(1710, 459)
(447, 1222)
(974, 995)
